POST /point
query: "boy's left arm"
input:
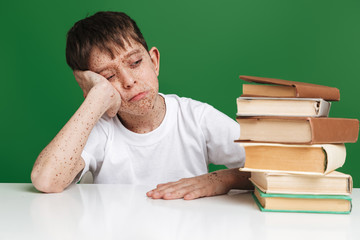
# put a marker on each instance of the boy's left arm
(211, 184)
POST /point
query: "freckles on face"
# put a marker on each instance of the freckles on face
(142, 106)
(132, 72)
(144, 80)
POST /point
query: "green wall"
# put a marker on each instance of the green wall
(204, 46)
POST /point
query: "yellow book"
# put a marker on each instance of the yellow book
(306, 159)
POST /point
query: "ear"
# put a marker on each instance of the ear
(155, 59)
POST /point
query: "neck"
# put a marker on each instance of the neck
(148, 122)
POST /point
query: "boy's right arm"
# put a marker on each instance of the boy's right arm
(60, 161)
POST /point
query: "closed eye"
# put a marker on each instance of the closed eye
(134, 64)
(110, 77)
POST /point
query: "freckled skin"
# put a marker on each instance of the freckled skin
(128, 79)
(63, 153)
(211, 184)
(60, 161)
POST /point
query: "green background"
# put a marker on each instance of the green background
(204, 47)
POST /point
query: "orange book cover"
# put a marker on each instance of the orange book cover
(323, 130)
(302, 90)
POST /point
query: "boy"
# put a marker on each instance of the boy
(126, 132)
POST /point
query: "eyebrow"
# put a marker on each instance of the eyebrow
(136, 51)
(132, 53)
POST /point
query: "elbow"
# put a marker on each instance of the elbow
(44, 183)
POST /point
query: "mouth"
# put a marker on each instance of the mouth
(138, 96)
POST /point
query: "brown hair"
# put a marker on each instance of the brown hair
(100, 30)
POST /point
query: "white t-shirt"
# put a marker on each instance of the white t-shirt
(191, 135)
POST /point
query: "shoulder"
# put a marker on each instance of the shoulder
(105, 125)
(187, 106)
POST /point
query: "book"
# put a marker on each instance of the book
(309, 107)
(334, 183)
(304, 130)
(305, 159)
(289, 89)
(306, 203)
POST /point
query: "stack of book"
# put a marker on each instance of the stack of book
(293, 148)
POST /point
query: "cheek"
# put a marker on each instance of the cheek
(155, 85)
(117, 86)
(152, 80)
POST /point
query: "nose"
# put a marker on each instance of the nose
(129, 84)
(127, 79)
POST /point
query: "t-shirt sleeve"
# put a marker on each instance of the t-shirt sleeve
(220, 131)
(94, 150)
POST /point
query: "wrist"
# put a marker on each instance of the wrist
(236, 179)
(101, 95)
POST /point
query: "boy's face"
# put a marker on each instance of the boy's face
(133, 72)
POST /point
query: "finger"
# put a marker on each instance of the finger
(168, 188)
(176, 191)
(180, 183)
(157, 194)
(163, 184)
(150, 193)
(197, 193)
(173, 186)
(79, 79)
(180, 193)
(85, 93)
(76, 72)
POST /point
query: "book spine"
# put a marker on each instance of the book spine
(334, 130)
(317, 91)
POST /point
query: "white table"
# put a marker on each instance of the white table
(90, 211)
